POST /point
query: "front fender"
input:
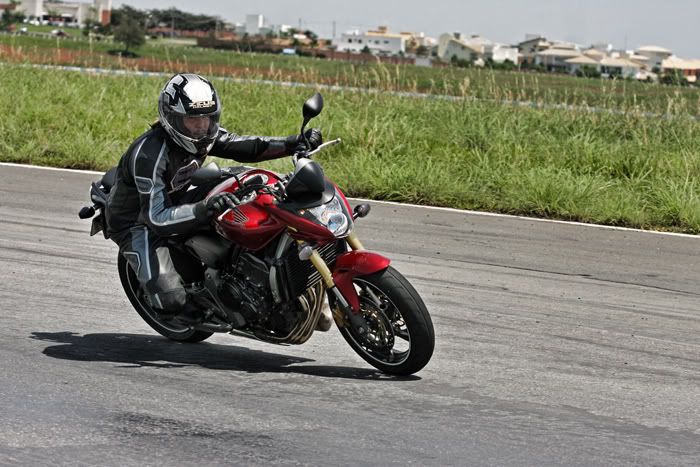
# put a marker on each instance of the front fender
(353, 264)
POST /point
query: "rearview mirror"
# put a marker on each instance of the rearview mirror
(313, 106)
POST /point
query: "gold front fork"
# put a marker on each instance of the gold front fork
(342, 315)
(323, 269)
(338, 315)
(354, 242)
(321, 265)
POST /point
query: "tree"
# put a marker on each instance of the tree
(588, 71)
(130, 32)
(674, 78)
(422, 51)
(10, 15)
(52, 13)
(460, 62)
(366, 50)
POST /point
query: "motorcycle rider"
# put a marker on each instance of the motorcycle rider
(151, 199)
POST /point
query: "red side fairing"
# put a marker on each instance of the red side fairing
(250, 225)
(301, 229)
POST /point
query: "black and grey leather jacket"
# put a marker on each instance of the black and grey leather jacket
(154, 172)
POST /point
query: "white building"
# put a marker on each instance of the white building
(555, 57)
(655, 54)
(595, 54)
(641, 60)
(689, 68)
(71, 13)
(254, 24)
(452, 46)
(530, 47)
(474, 49)
(622, 67)
(581, 63)
(418, 39)
(501, 53)
(380, 42)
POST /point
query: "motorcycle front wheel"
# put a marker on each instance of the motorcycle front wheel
(400, 337)
(135, 293)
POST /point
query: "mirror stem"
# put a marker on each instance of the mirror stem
(303, 136)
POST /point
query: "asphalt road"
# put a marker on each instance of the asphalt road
(556, 345)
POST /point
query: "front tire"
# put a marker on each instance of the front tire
(401, 338)
(132, 288)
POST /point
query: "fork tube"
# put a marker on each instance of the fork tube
(322, 268)
(355, 319)
(354, 242)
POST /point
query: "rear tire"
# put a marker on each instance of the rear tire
(132, 288)
(401, 338)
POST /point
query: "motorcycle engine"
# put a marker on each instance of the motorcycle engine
(247, 289)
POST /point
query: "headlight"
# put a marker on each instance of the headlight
(332, 216)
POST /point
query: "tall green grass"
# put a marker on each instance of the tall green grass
(623, 170)
(499, 86)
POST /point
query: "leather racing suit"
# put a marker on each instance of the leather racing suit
(150, 201)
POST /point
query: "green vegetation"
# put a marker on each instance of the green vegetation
(497, 85)
(130, 32)
(9, 17)
(591, 167)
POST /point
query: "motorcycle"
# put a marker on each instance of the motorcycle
(264, 269)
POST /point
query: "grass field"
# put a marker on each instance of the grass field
(540, 89)
(591, 167)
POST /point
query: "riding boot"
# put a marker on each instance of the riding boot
(325, 320)
(190, 314)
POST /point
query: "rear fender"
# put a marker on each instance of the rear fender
(356, 264)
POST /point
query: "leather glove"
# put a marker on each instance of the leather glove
(220, 202)
(315, 138)
(296, 143)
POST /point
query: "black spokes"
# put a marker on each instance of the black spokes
(387, 338)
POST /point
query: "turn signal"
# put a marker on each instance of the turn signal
(360, 211)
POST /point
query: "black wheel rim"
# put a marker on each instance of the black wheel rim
(138, 293)
(388, 339)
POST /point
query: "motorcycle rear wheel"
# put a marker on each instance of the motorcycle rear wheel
(401, 338)
(135, 293)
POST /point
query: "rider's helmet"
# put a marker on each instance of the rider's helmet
(189, 109)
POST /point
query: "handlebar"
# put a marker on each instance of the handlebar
(247, 187)
(324, 145)
(311, 153)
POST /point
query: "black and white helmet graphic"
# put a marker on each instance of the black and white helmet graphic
(189, 109)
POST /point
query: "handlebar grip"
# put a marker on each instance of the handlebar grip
(87, 212)
(254, 180)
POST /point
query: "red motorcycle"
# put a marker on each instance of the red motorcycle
(264, 269)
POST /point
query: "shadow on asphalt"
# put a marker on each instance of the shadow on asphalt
(138, 350)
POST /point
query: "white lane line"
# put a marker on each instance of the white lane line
(534, 219)
(434, 208)
(56, 169)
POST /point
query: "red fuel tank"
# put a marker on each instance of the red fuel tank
(249, 225)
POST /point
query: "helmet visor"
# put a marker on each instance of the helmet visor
(196, 127)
